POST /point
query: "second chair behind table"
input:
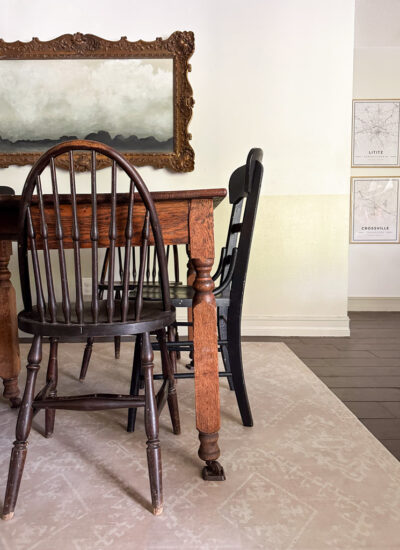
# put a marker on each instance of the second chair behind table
(230, 277)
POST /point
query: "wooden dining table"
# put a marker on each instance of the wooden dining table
(186, 217)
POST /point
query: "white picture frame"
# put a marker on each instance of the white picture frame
(374, 210)
(375, 132)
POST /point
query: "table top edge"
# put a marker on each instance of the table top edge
(185, 194)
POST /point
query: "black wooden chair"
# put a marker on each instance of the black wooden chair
(4, 190)
(152, 278)
(54, 222)
(230, 278)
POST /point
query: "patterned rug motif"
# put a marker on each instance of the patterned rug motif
(307, 476)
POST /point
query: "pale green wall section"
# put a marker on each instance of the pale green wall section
(298, 262)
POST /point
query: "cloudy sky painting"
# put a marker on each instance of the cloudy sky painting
(127, 103)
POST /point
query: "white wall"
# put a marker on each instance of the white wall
(277, 75)
(374, 269)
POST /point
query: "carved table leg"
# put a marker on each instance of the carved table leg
(205, 338)
(9, 349)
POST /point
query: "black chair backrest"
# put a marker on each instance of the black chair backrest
(42, 220)
(4, 190)
(244, 192)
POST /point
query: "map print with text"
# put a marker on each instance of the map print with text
(375, 209)
(376, 133)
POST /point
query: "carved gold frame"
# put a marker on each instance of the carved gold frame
(179, 46)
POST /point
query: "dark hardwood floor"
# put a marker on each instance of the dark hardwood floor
(363, 371)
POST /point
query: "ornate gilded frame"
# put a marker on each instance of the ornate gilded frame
(179, 46)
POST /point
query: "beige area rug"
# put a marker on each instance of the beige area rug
(307, 476)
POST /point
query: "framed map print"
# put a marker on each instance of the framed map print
(374, 210)
(375, 136)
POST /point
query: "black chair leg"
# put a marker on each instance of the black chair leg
(190, 366)
(86, 358)
(117, 346)
(173, 355)
(168, 372)
(135, 381)
(178, 353)
(223, 335)
(235, 360)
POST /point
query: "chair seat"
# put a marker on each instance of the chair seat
(181, 295)
(152, 318)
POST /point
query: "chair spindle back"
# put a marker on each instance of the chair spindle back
(57, 221)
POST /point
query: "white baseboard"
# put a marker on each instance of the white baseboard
(295, 325)
(374, 303)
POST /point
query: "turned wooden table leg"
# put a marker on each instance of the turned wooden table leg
(9, 349)
(205, 338)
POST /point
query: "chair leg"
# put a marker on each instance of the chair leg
(235, 360)
(86, 358)
(135, 381)
(52, 377)
(168, 372)
(24, 423)
(117, 346)
(190, 366)
(151, 424)
(178, 353)
(223, 335)
(173, 355)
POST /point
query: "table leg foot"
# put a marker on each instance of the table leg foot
(11, 391)
(213, 471)
(209, 452)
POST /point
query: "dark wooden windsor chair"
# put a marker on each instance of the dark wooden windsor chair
(60, 221)
(244, 190)
(152, 278)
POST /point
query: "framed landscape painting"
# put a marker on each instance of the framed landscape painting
(133, 96)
